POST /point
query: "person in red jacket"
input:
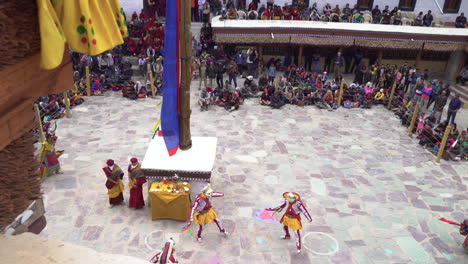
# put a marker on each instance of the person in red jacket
(292, 218)
(143, 17)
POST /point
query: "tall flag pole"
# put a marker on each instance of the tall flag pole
(186, 75)
(171, 79)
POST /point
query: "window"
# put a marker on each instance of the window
(452, 6)
(407, 5)
(365, 4)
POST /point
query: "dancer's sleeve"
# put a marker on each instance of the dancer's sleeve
(192, 211)
(304, 210)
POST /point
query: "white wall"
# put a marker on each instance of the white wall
(130, 6)
(421, 5)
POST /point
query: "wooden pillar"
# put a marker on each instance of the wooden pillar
(443, 143)
(151, 79)
(392, 94)
(299, 59)
(418, 57)
(340, 97)
(185, 136)
(88, 82)
(37, 113)
(66, 102)
(379, 57)
(413, 120)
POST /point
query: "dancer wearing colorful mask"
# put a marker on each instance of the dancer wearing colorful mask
(292, 219)
(166, 256)
(203, 211)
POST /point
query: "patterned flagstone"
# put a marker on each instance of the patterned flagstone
(374, 194)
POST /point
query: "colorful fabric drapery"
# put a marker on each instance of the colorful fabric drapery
(171, 79)
(87, 26)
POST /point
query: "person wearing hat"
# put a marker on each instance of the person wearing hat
(292, 218)
(379, 97)
(166, 256)
(136, 179)
(203, 213)
(114, 183)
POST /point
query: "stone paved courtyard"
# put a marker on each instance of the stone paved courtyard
(374, 194)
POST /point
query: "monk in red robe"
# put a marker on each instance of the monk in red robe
(287, 12)
(114, 183)
(277, 12)
(136, 179)
(267, 14)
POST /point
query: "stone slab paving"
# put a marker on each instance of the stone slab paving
(374, 194)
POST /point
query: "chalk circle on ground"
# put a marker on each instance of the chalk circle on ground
(146, 240)
(335, 246)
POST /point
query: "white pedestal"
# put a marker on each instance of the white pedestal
(194, 164)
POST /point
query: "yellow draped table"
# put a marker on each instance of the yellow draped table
(169, 204)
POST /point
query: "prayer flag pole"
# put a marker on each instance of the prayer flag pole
(340, 97)
(413, 120)
(186, 75)
(39, 122)
(88, 82)
(150, 74)
(392, 93)
(66, 102)
(443, 143)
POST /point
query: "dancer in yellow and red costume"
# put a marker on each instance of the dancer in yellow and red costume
(292, 218)
(166, 256)
(203, 211)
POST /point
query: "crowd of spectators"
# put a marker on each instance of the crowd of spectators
(202, 10)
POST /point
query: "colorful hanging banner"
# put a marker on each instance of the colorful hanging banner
(171, 79)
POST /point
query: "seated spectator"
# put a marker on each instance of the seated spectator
(394, 11)
(233, 103)
(386, 18)
(379, 97)
(287, 13)
(315, 16)
(337, 10)
(143, 92)
(460, 21)
(376, 15)
(267, 14)
(232, 13)
(296, 13)
(305, 13)
(418, 20)
(427, 19)
(276, 100)
(328, 100)
(397, 18)
(265, 98)
(359, 18)
(277, 13)
(204, 100)
(327, 10)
